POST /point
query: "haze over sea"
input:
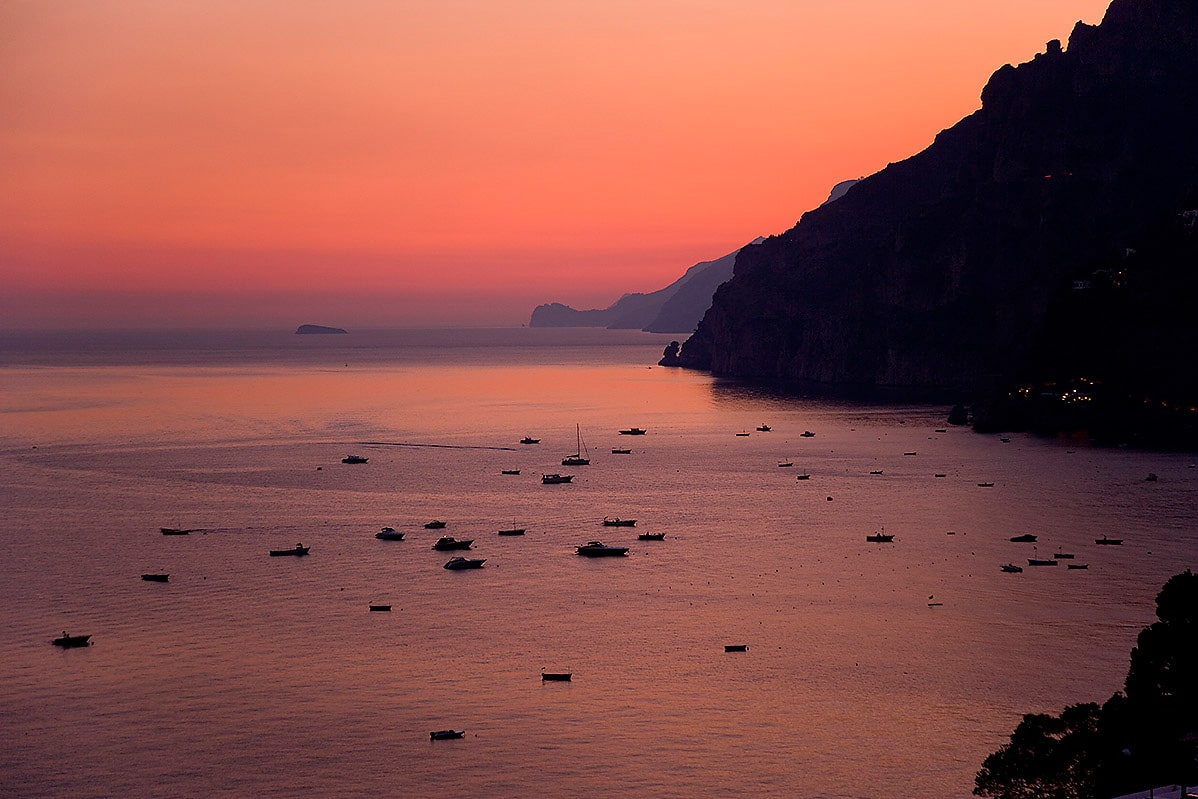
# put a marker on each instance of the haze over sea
(871, 670)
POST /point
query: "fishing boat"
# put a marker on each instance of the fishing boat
(1011, 568)
(155, 578)
(354, 459)
(880, 538)
(530, 440)
(556, 676)
(1037, 561)
(581, 456)
(174, 531)
(448, 542)
(556, 479)
(513, 531)
(298, 549)
(435, 524)
(597, 549)
(459, 563)
(616, 521)
(633, 431)
(71, 641)
(389, 534)
(1110, 542)
(444, 735)
(651, 537)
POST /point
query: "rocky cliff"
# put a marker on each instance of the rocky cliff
(677, 308)
(951, 273)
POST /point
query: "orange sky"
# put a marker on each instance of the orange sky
(377, 163)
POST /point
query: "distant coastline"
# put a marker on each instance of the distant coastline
(318, 330)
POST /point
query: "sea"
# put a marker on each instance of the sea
(869, 670)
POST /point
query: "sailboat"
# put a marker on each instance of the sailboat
(577, 458)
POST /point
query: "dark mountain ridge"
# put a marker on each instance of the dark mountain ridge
(951, 274)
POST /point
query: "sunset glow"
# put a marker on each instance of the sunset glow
(380, 164)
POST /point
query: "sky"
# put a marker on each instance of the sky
(387, 163)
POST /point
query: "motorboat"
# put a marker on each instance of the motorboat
(71, 641)
(1011, 568)
(651, 537)
(174, 531)
(513, 531)
(1026, 538)
(597, 549)
(509, 471)
(985, 485)
(444, 735)
(530, 440)
(616, 521)
(742, 435)
(380, 608)
(556, 676)
(1041, 562)
(1077, 565)
(448, 542)
(298, 549)
(876, 471)
(880, 538)
(389, 534)
(435, 524)
(621, 452)
(556, 479)
(354, 459)
(633, 431)
(807, 434)
(910, 453)
(736, 647)
(803, 476)
(940, 474)
(765, 428)
(155, 578)
(459, 563)
(1104, 541)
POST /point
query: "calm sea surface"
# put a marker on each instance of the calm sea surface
(871, 670)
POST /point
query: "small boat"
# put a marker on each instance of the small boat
(155, 578)
(445, 735)
(633, 431)
(765, 428)
(556, 676)
(941, 430)
(876, 471)
(1077, 565)
(985, 485)
(651, 537)
(354, 459)
(556, 479)
(435, 524)
(1041, 562)
(1104, 541)
(447, 542)
(1063, 555)
(785, 464)
(880, 538)
(742, 435)
(174, 531)
(910, 453)
(298, 549)
(581, 456)
(736, 647)
(512, 531)
(530, 440)
(71, 641)
(459, 563)
(803, 476)
(1026, 538)
(597, 549)
(1005, 440)
(616, 521)
(943, 475)
(807, 434)
(380, 608)
(509, 471)
(1151, 478)
(621, 452)
(1011, 568)
(389, 534)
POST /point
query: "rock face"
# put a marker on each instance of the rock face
(316, 329)
(952, 272)
(675, 309)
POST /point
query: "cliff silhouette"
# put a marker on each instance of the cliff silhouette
(1043, 245)
(677, 308)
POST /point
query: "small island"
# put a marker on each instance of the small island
(317, 329)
